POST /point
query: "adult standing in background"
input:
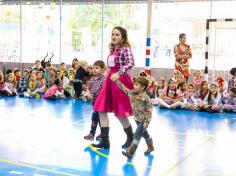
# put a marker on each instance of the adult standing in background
(182, 53)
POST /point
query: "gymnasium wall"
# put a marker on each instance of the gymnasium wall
(156, 72)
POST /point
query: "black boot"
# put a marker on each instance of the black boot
(104, 143)
(130, 135)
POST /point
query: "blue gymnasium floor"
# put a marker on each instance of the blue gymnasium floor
(45, 138)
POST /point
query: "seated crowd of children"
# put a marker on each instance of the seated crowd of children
(52, 83)
(198, 95)
(48, 82)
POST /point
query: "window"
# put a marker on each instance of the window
(40, 31)
(9, 33)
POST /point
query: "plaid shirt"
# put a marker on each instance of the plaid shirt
(229, 103)
(141, 104)
(231, 82)
(96, 86)
(229, 100)
(124, 59)
(23, 82)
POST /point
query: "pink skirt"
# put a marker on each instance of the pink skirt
(112, 98)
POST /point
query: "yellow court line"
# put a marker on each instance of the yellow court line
(98, 152)
(210, 137)
(106, 156)
(186, 157)
(36, 167)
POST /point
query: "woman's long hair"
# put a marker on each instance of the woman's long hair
(124, 41)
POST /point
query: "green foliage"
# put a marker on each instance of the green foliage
(90, 16)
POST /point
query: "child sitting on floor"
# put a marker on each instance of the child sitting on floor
(85, 94)
(33, 87)
(197, 79)
(22, 84)
(56, 91)
(182, 89)
(151, 90)
(63, 70)
(232, 78)
(161, 84)
(142, 110)
(229, 101)
(190, 99)
(170, 98)
(70, 88)
(204, 90)
(41, 82)
(3, 91)
(212, 102)
(51, 76)
(65, 83)
(9, 85)
(71, 74)
(221, 82)
(17, 75)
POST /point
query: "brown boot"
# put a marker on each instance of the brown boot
(149, 143)
(132, 148)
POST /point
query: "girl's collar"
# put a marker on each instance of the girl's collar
(116, 49)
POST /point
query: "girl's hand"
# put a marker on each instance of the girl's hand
(145, 125)
(115, 77)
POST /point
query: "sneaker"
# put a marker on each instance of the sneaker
(99, 137)
(89, 137)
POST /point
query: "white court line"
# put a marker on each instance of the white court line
(16, 172)
(79, 121)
